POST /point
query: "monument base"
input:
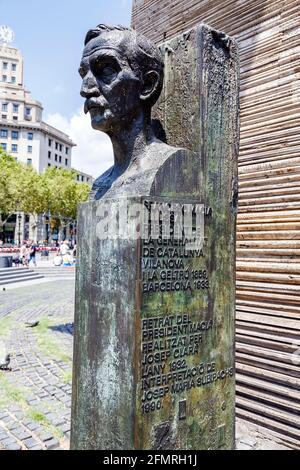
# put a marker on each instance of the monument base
(150, 373)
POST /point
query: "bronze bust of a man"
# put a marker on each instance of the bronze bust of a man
(122, 73)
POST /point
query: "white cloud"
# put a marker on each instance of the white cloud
(93, 153)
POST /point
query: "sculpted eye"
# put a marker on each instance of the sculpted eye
(82, 72)
(106, 71)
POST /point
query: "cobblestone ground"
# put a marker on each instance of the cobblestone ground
(35, 396)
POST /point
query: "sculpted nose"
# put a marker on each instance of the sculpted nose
(89, 87)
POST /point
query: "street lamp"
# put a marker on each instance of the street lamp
(19, 231)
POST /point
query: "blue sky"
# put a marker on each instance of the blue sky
(50, 35)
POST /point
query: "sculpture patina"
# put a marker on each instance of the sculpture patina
(154, 318)
(123, 74)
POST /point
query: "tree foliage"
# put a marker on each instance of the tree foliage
(55, 192)
(63, 193)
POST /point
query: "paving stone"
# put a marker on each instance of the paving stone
(65, 427)
(15, 446)
(6, 419)
(45, 436)
(21, 434)
(58, 422)
(32, 426)
(13, 425)
(51, 444)
(33, 402)
(30, 442)
(18, 415)
(8, 441)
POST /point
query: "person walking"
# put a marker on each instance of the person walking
(23, 254)
(64, 248)
(32, 253)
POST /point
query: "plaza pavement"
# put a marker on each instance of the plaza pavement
(35, 397)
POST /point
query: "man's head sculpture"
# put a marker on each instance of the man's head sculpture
(122, 74)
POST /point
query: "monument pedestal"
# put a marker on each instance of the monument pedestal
(155, 286)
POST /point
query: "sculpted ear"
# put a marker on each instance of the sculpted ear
(151, 85)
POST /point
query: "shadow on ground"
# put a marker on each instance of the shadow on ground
(64, 328)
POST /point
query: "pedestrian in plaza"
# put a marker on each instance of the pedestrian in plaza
(67, 259)
(32, 253)
(57, 261)
(64, 248)
(23, 254)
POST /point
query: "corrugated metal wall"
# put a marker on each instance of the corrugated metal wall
(268, 240)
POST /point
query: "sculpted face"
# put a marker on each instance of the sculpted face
(111, 88)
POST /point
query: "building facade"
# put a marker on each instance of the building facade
(25, 136)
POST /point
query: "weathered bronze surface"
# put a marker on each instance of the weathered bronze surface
(154, 319)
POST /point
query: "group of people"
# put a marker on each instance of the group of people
(28, 253)
(66, 256)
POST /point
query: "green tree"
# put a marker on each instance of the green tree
(64, 194)
(54, 192)
(10, 183)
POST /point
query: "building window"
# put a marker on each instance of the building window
(82, 178)
(66, 161)
(55, 157)
(59, 159)
(3, 133)
(4, 117)
(67, 150)
(14, 135)
(49, 164)
(13, 79)
(15, 108)
(60, 147)
(77, 177)
(30, 135)
(29, 161)
(3, 145)
(15, 118)
(49, 154)
(4, 107)
(87, 180)
(14, 148)
(14, 67)
(29, 148)
(27, 111)
(56, 146)
(4, 78)
(49, 142)
(5, 64)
